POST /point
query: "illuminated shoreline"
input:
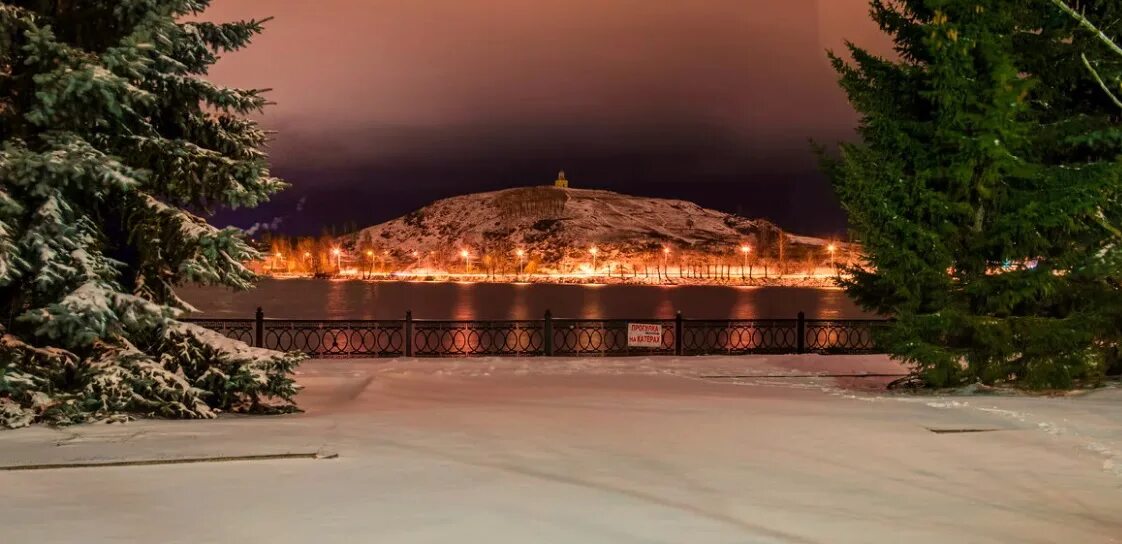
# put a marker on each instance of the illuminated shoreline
(791, 280)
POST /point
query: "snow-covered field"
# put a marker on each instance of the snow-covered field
(692, 450)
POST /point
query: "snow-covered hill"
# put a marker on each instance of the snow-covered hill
(556, 228)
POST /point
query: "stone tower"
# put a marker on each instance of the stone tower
(561, 182)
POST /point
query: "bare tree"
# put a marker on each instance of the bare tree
(781, 245)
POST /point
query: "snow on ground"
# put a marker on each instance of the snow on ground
(695, 367)
(663, 450)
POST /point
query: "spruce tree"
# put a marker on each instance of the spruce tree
(985, 190)
(113, 149)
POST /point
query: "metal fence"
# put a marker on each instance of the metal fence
(547, 337)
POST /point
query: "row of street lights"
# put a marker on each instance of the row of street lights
(594, 251)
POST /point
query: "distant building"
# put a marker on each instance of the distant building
(561, 182)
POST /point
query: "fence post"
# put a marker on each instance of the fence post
(259, 328)
(800, 332)
(409, 333)
(547, 334)
(678, 333)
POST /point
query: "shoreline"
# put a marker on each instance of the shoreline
(819, 282)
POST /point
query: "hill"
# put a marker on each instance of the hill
(556, 229)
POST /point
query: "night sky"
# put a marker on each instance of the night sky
(386, 105)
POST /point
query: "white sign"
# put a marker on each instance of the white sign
(644, 335)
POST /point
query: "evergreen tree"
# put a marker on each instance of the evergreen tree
(112, 147)
(986, 190)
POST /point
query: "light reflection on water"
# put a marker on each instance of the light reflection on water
(465, 302)
(519, 307)
(664, 308)
(591, 306)
(325, 299)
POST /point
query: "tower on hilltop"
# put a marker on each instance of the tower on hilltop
(561, 182)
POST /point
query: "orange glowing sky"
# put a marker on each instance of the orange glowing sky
(408, 100)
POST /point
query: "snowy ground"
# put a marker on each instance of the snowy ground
(692, 450)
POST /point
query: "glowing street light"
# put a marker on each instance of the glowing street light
(467, 256)
(368, 272)
(832, 248)
(521, 255)
(594, 251)
(745, 250)
(338, 253)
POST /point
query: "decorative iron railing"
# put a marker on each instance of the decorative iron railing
(335, 338)
(605, 337)
(846, 335)
(478, 338)
(548, 336)
(238, 329)
(707, 337)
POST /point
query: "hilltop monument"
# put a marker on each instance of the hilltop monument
(561, 182)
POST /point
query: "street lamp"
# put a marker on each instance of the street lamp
(521, 254)
(833, 264)
(594, 251)
(338, 253)
(370, 264)
(466, 255)
(745, 250)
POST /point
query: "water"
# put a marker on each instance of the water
(328, 299)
